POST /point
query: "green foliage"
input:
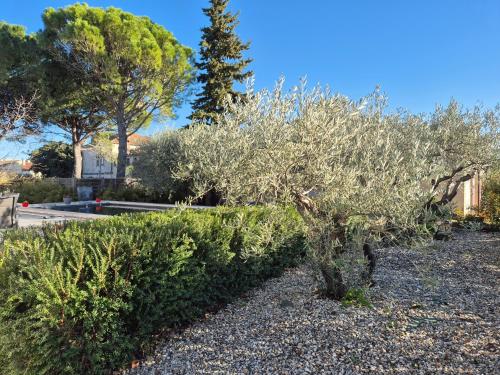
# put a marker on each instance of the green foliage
(102, 144)
(139, 193)
(129, 193)
(84, 297)
(435, 221)
(38, 190)
(141, 68)
(490, 204)
(156, 163)
(221, 62)
(68, 100)
(356, 297)
(463, 141)
(13, 40)
(58, 96)
(18, 53)
(53, 159)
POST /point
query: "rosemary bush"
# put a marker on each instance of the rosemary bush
(85, 298)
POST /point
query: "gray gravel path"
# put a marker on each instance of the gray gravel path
(434, 312)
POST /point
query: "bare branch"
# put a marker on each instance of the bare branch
(17, 118)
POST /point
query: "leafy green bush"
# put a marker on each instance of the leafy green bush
(129, 193)
(86, 297)
(490, 203)
(156, 162)
(38, 190)
(136, 193)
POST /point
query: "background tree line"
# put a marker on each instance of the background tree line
(92, 70)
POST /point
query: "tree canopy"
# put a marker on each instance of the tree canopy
(54, 159)
(138, 66)
(18, 86)
(358, 176)
(221, 62)
(464, 142)
(349, 170)
(69, 101)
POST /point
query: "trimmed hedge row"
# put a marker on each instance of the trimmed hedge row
(38, 190)
(86, 297)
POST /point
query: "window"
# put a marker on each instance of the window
(99, 161)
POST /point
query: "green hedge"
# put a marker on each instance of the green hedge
(38, 190)
(86, 298)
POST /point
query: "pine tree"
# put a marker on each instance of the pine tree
(221, 62)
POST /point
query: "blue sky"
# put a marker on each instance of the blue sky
(420, 52)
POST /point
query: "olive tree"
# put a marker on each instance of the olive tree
(157, 160)
(464, 142)
(353, 174)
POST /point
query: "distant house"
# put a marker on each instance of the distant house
(96, 166)
(17, 167)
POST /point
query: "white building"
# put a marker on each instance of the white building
(96, 166)
(16, 167)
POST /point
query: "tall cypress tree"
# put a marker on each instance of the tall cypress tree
(221, 62)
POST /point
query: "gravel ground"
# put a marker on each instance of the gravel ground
(434, 312)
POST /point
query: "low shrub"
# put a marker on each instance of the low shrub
(130, 193)
(458, 214)
(38, 190)
(85, 298)
(476, 216)
(356, 297)
(6, 179)
(137, 192)
(490, 202)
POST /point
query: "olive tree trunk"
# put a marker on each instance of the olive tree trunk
(371, 262)
(335, 286)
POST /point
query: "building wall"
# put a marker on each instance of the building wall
(15, 167)
(11, 166)
(94, 166)
(472, 194)
(468, 196)
(459, 201)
